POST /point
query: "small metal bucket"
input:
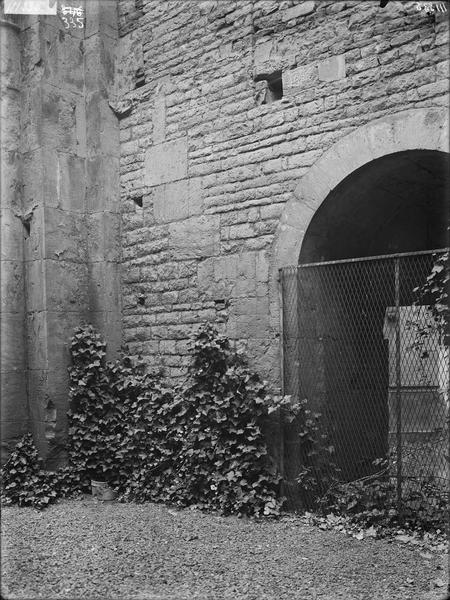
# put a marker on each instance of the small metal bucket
(101, 491)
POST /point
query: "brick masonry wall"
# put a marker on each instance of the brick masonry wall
(207, 167)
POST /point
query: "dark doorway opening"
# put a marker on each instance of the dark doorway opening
(337, 340)
(397, 203)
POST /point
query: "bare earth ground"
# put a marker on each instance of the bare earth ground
(83, 549)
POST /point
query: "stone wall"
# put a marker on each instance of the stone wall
(61, 213)
(218, 109)
(13, 368)
(210, 153)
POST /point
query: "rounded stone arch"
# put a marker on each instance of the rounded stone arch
(410, 130)
(415, 129)
(378, 190)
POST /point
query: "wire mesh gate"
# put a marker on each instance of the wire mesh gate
(368, 356)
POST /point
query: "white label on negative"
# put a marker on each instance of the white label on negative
(30, 7)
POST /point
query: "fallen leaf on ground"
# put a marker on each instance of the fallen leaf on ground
(404, 538)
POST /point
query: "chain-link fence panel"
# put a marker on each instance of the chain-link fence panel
(362, 347)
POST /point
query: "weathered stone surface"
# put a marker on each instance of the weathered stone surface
(70, 189)
(53, 191)
(300, 10)
(159, 119)
(34, 174)
(13, 390)
(66, 285)
(337, 73)
(10, 118)
(102, 132)
(104, 286)
(33, 235)
(53, 118)
(38, 382)
(217, 276)
(130, 59)
(250, 315)
(178, 200)
(65, 235)
(103, 237)
(102, 184)
(13, 393)
(109, 324)
(12, 348)
(332, 68)
(12, 234)
(263, 51)
(232, 276)
(10, 50)
(10, 179)
(166, 162)
(196, 237)
(101, 19)
(100, 60)
(296, 80)
(48, 335)
(35, 285)
(12, 286)
(59, 331)
(57, 58)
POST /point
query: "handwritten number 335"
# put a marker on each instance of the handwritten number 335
(70, 22)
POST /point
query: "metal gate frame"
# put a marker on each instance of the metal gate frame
(396, 259)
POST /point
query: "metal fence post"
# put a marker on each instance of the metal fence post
(281, 308)
(398, 396)
(448, 496)
(283, 390)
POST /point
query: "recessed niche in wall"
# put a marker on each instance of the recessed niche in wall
(26, 222)
(220, 303)
(274, 89)
(139, 78)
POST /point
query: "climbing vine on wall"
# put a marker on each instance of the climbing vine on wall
(197, 444)
(434, 292)
(200, 443)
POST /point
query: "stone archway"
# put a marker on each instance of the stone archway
(350, 182)
(415, 129)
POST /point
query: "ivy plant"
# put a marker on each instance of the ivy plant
(372, 501)
(23, 480)
(200, 443)
(434, 292)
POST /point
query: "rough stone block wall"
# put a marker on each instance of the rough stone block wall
(14, 415)
(207, 164)
(61, 255)
(197, 121)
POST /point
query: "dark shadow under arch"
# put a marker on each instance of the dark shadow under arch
(396, 203)
(341, 354)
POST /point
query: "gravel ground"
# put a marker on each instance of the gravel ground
(84, 549)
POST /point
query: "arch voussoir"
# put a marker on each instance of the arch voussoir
(416, 129)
